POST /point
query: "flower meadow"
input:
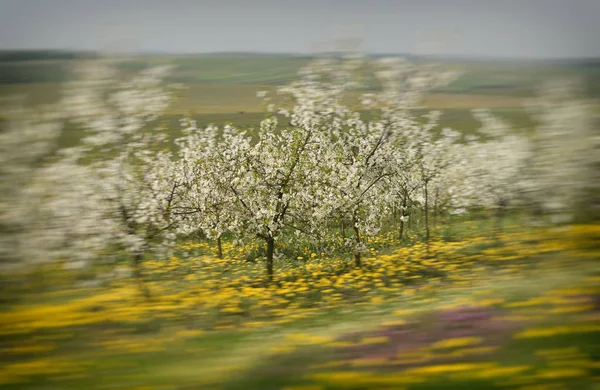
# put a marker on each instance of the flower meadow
(514, 315)
(321, 250)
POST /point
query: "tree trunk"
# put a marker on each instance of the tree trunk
(139, 276)
(342, 228)
(270, 251)
(401, 233)
(426, 220)
(402, 214)
(357, 261)
(219, 248)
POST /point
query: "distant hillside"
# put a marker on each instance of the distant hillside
(43, 55)
(57, 54)
(480, 76)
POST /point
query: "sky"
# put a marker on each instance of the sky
(480, 28)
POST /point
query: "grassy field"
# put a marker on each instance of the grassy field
(209, 75)
(482, 314)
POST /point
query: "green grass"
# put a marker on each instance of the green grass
(243, 359)
(271, 374)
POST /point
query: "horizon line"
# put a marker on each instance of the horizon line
(304, 54)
